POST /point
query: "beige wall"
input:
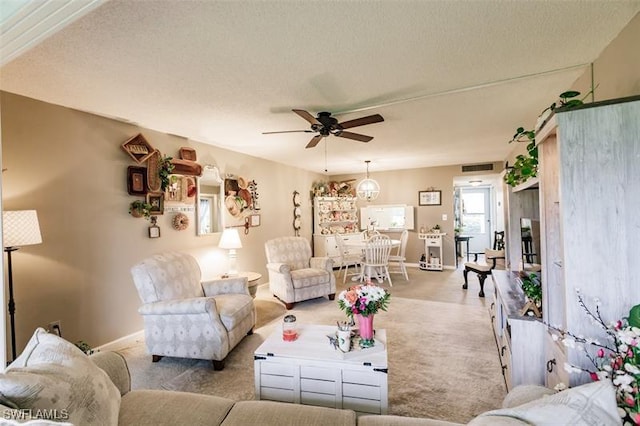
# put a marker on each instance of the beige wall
(616, 73)
(68, 165)
(402, 186)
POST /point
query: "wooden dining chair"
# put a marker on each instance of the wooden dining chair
(376, 258)
(400, 256)
(347, 258)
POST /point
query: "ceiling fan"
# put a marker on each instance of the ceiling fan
(324, 124)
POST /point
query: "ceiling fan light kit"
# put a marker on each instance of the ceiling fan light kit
(324, 125)
(368, 189)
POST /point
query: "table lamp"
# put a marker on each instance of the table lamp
(230, 240)
(20, 228)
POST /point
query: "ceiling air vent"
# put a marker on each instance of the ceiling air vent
(477, 167)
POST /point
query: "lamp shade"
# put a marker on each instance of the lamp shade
(230, 239)
(368, 189)
(20, 228)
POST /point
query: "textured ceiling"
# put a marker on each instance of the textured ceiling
(222, 72)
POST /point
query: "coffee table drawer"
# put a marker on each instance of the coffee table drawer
(319, 399)
(318, 386)
(361, 377)
(283, 395)
(362, 405)
(309, 372)
(278, 369)
(280, 382)
(361, 391)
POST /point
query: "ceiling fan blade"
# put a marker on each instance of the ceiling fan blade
(304, 114)
(370, 119)
(288, 131)
(314, 141)
(354, 136)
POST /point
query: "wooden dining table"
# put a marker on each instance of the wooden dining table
(362, 245)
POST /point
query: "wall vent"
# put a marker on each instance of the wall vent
(477, 167)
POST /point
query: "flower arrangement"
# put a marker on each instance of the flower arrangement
(617, 360)
(364, 300)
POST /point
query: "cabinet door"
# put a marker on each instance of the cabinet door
(331, 246)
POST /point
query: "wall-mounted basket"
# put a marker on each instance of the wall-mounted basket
(138, 148)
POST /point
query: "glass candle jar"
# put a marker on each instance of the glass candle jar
(289, 328)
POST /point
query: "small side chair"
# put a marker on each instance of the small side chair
(483, 269)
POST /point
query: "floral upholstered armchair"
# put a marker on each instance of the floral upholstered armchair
(294, 275)
(187, 318)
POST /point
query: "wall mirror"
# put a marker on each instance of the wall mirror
(209, 202)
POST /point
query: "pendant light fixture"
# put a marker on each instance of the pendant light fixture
(368, 189)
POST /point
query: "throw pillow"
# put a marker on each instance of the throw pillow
(586, 405)
(53, 378)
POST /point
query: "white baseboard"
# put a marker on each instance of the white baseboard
(416, 265)
(122, 342)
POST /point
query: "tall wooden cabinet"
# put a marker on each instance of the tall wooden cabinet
(589, 175)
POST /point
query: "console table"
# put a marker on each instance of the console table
(311, 371)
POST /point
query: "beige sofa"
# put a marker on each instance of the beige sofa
(53, 380)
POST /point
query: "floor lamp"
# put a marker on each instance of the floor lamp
(19, 228)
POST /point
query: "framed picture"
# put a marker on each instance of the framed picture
(429, 198)
(156, 200)
(254, 220)
(154, 231)
(137, 180)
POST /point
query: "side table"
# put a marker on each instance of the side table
(252, 278)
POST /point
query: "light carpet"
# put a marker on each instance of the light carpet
(443, 362)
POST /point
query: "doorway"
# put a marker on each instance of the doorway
(475, 217)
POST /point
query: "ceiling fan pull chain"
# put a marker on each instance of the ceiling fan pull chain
(325, 155)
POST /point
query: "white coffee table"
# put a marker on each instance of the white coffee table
(311, 371)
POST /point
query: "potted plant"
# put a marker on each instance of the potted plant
(140, 209)
(435, 229)
(532, 289)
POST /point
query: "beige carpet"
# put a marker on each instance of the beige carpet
(443, 362)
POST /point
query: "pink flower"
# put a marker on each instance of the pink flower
(629, 401)
(618, 325)
(600, 353)
(594, 377)
(636, 418)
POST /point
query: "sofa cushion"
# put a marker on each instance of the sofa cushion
(53, 374)
(162, 407)
(388, 420)
(309, 277)
(269, 413)
(233, 308)
(590, 404)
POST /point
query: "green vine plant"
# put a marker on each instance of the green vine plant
(568, 101)
(164, 170)
(526, 165)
